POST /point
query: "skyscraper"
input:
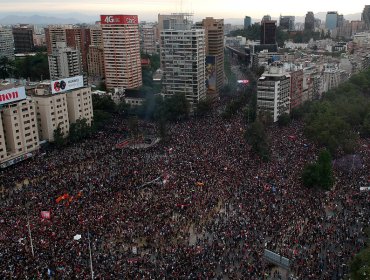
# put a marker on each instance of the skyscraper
(287, 22)
(309, 22)
(182, 54)
(331, 20)
(23, 39)
(365, 16)
(6, 43)
(214, 39)
(247, 22)
(122, 61)
(268, 32)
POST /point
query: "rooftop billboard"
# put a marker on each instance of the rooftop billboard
(11, 95)
(66, 84)
(118, 19)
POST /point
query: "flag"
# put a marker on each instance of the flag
(45, 215)
(62, 197)
(200, 184)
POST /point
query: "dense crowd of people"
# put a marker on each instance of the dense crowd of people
(210, 211)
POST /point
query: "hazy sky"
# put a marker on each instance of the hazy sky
(148, 9)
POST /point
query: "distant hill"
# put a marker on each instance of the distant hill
(37, 19)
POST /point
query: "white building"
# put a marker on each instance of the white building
(273, 92)
(332, 77)
(6, 43)
(183, 61)
(64, 62)
(148, 36)
(79, 105)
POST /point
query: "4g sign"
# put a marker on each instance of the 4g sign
(119, 19)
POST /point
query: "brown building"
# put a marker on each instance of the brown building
(214, 39)
(296, 88)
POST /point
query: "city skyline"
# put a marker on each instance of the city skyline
(148, 10)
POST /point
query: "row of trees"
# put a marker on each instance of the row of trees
(31, 67)
(77, 132)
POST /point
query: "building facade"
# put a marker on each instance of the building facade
(247, 22)
(52, 112)
(18, 131)
(214, 39)
(331, 20)
(6, 43)
(309, 22)
(365, 16)
(23, 39)
(273, 93)
(64, 62)
(268, 32)
(122, 62)
(287, 22)
(79, 104)
(296, 88)
(183, 53)
(148, 39)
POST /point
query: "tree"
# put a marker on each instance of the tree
(79, 130)
(133, 126)
(6, 67)
(257, 138)
(203, 107)
(162, 129)
(360, 265)
(283, 119)
(59, 137)
(319, 174)
(366, 126)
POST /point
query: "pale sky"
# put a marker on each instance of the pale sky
(215, 8)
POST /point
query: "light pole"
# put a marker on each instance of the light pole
(29, 231)
(91, 264)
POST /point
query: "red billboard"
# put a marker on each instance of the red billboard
(119, 19)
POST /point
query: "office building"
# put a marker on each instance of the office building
(309, 22)
(64, 62)
(331, 20)
(6, 43)
(287, 22)
(122, 62)
(268, 32)
(148, 39)
(273, 92)
(183, 54)
(266, 18)
(168, 21)
(365, 16)
(214, 40)
(23, 39)
(247, 22)
(340, 21)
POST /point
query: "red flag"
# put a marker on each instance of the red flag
(45, 215)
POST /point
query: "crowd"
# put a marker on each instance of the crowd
(212, 208)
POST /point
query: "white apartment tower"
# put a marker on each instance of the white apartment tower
(122, 62)
(64, 62)
(182, 53)
(273, 92)
(79, 105)
(148, 34)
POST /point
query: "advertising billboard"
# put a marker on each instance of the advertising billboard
(211, 73)
(63, 85)
(11, 95)
(118, 19)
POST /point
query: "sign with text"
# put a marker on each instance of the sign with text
(119, 19)
(63, 85)
(11, 95)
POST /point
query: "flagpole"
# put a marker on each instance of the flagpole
(30, 235)
(91, 264)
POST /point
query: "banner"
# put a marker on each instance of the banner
(118, 19)
(12, 95)
(45, 215)
(66, 84)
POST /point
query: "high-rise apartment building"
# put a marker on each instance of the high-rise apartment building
(6, 43)
(55, 34)
(95, 56)
(18, 128)
(247, 22)
(268, 32)
(309, 22)
(273, 92)
(122, 60)
(148, 38)
(79, 38)
(365, 16)
(331, 20)
(23, 39)
(183, 53)
(214, 39)
(64, 62)
(79, 105)
(287, 22)
(296, 88)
